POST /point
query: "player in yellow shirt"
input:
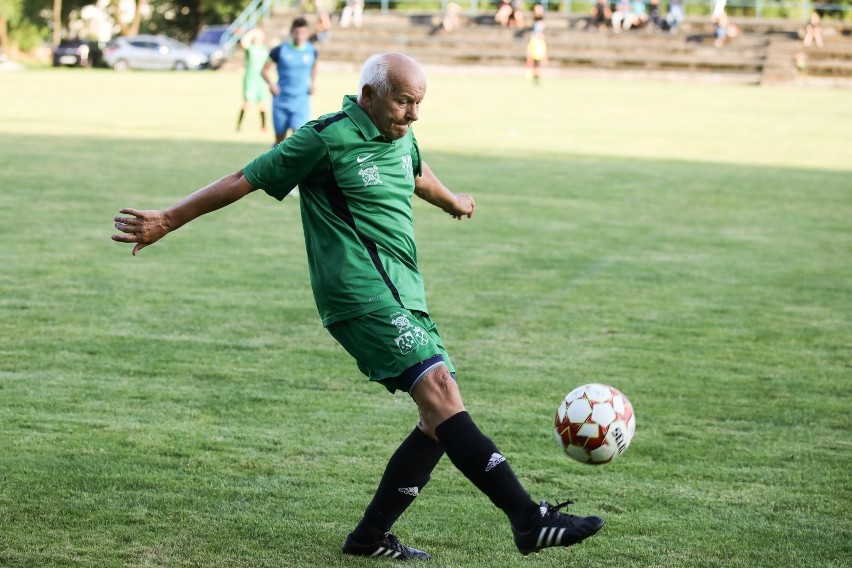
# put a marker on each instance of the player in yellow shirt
(536, 47)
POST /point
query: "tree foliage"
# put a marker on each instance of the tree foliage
(28, 22)
(182, 19)
(31, 21)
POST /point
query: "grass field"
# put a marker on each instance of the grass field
(690, 244)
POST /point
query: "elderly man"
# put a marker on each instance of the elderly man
(357, 170)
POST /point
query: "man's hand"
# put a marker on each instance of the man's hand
(429, 188)
(463, 206)
(143, 228)
(147, 227)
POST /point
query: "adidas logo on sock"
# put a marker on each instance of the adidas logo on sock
(412, 491)
(495, 460)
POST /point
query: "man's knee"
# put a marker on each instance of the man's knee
(438, 384)
(438, 398)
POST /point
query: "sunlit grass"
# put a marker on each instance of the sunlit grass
(688, 243)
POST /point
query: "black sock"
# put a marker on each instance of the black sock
(263, 119)
(476, 456)
(405, 475)
(240, 118)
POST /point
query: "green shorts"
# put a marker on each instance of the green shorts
(393, 346)
(255, 91)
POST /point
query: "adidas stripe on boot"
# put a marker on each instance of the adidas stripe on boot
(553, 528)
(388, 547)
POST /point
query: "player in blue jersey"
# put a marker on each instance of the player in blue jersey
(296, 64)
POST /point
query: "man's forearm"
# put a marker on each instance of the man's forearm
(218, 194)
(430, 189)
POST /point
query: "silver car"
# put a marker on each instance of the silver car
(151, 52)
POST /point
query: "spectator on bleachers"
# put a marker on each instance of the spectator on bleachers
(629, 14)
(510, 14)
(813, 31)
(675, 15)
(352, 13)
(721, 29)
(504, 12)
(622, 17)
(655, 16)
(517, 19)
(640, 10)
(601, 15)
(323, 20)
(449, 19)
(724, 30)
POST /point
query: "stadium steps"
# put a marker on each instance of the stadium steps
(568, 49)
(789, 62)
(764, 52)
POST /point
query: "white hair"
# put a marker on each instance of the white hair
(375, 73)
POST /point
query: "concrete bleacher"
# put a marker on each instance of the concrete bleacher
(765, 51)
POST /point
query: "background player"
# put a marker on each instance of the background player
(296, 63)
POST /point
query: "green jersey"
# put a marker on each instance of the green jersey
(254, 85)
(355, 189)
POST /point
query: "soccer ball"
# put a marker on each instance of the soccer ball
(594, 424)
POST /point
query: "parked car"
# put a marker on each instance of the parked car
(151, 52)
(209, 42)
(77, 53)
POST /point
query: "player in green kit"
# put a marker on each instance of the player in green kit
(358, 170)
(255, 90)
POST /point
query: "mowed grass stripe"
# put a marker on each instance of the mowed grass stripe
(185, 408)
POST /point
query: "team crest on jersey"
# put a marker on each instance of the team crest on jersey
(407, 168)
(370, 175)
(400, 321)
(411, 340)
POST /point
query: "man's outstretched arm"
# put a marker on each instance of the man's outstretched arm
(430, 189)
(149, 226)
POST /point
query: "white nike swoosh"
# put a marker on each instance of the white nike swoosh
(361, 159)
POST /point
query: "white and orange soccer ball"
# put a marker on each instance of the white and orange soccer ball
(594, 424)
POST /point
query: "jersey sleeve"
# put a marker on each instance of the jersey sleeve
(274, 53)
(286, 165)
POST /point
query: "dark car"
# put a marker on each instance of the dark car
(210, 42)
(77, 53)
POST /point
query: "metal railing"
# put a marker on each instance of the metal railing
(247, 20)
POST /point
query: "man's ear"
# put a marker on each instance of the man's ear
(366, 95)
